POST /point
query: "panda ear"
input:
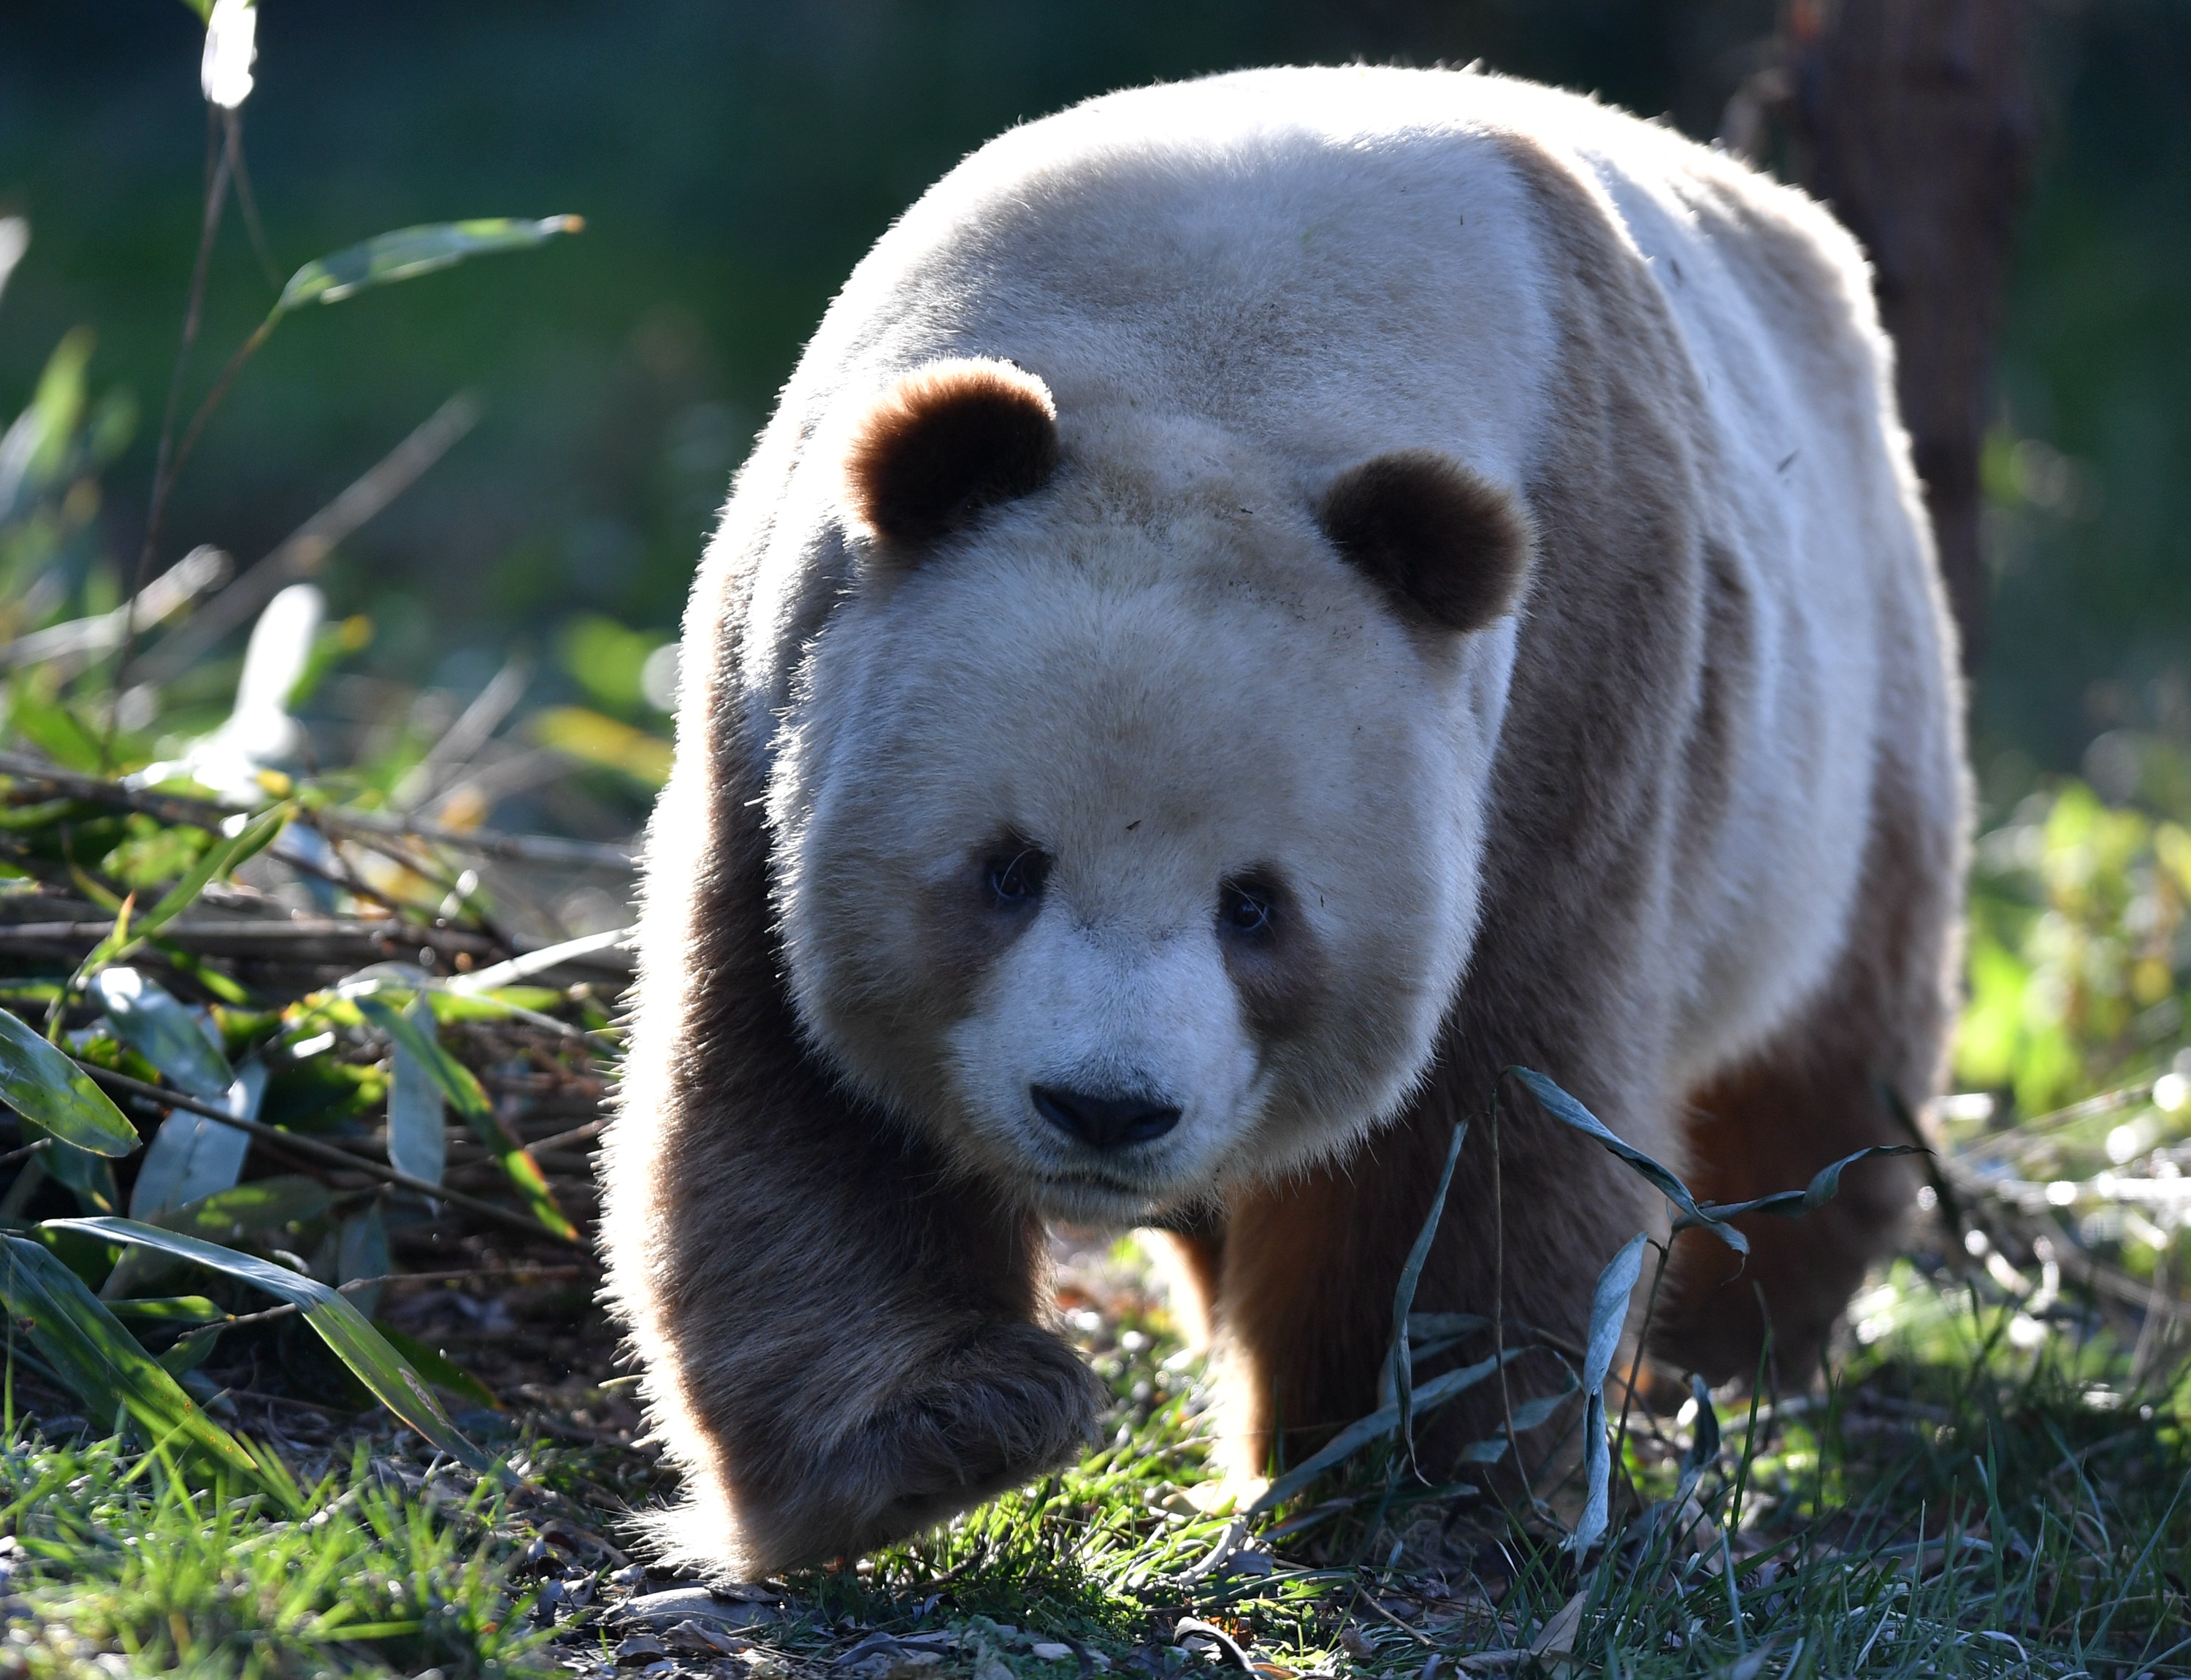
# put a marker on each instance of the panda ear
(944, 442)
(1451, 547)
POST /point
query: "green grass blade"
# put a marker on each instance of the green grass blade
(407, 253)
(87, 1348)
(340, 1324)
(47, 1089)
(191, 1309)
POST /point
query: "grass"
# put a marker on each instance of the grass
(1955, 1502)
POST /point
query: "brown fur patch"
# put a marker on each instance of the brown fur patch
(1590, 786)
(1449, 547)
(946, 441)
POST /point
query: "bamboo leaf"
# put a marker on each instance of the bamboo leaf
(595, 739)
(193, 1156)
(1703, 1443)
(1444, 1326)
(1566, 1110)
(407, 1036)
(87, 1177)
(190, 1352)
(87, 1348)
(1821, 1190)
(1608, 1309)
(417, 1126)
(1399, 1370)
(361, 1252)
(455, 1082)
(191, 1309)
(150, 1020)
(439, 1369)
(1531, 1414)
(340, 1324)
(407, 253)
(47, 1089)
(1375, 1427)
(247, 1209)
(213, 863)
(1608, 1313)
(225, 1216)
(530, 1182)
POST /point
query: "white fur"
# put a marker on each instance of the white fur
(1235, 289)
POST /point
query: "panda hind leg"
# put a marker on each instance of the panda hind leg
(1766, 1127)
(1817, 1092)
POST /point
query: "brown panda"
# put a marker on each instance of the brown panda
(1267, 601)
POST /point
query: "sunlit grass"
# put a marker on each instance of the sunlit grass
(114, 1565)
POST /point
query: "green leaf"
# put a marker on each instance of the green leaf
(225, 1216)
(151, 1020)
(247, 1210)
(215, 864)
(43, 1085)
(409, 252)
(438, 1369)
(87, 1348)
(455, 1082)
(1379, 1424)
(1565, 1108)
(361, 1254)
(1608, 1309)
(1608, 1313)
(417, 1128)
(1703, 1442)
(1527, 1415)
(453, 1078)
(1400, 1371)
(192, 1309)
(191, 1350)
(526, 1176)
(340, 1324)
(193, 1156)
(88, 1178)
(1821, 1190)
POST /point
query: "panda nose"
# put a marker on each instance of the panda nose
(1103, 1123)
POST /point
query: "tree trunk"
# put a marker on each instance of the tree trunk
(1912, 118)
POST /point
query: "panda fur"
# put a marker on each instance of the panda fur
(1267, 601)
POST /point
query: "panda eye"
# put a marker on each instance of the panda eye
(1244, 908)
(1015, 878)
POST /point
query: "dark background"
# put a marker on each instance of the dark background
(733, 160)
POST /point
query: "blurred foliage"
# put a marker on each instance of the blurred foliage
(734, 161)
(2090, 476)
(2079, 948)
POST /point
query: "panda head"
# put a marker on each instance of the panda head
(1126, 819)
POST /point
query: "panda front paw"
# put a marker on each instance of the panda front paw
(1012, 1405)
